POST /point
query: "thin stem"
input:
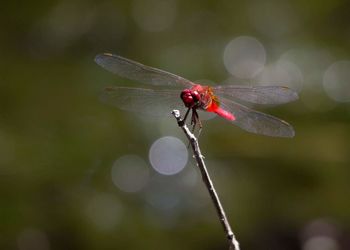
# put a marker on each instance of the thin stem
(234, 245)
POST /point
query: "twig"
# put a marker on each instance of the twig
(234, 245)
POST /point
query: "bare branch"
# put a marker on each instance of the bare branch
(234, 245)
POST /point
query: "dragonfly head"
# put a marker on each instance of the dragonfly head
(190, 97)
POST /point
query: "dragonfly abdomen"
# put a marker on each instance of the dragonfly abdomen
(214, 107)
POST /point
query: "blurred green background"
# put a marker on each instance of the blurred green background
(64, 155)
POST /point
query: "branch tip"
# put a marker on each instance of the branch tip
(176, 113)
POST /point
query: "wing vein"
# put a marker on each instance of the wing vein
(257, 94)
(136, 71)
(257, 122)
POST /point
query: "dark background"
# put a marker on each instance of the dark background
(58, 143)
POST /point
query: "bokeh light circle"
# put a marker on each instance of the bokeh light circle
(168, 155)
(244, 57)
(336, 81)
(284, 73)
(320, 234)
(321, 243)
(130, 173)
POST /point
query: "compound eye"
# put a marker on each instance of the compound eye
(196, 95)
(188, 98)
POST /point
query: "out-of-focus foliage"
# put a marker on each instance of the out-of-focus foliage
(65, 182)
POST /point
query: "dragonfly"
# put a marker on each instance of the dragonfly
(166, 91)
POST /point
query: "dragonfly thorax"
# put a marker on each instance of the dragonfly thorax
(191, 98)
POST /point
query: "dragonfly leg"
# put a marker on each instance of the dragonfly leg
(185, 117)
(194, 119)
(200, 127)
(197, 121)
(193, 123)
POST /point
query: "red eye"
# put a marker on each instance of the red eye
(188, 98)
(196, 96)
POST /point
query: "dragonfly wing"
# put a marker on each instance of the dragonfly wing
(139, 72)
(150, 102)
(257, 122)
(257, 94)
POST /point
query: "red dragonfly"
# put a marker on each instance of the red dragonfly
(220, 99)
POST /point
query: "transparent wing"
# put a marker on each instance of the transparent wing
(257, 122)
(149, 102)
(139, 72)
(257, 94)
